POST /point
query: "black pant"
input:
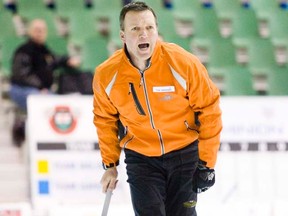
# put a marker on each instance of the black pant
(160, 186)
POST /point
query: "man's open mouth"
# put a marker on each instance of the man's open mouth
(143, 46)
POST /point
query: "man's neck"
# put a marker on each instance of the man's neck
(140, 64)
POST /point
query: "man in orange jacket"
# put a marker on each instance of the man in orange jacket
(169, 108)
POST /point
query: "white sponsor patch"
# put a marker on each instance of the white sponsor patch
(164, 89)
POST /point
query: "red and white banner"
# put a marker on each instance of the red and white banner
(15, 209)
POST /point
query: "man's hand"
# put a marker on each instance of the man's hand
(109, 179)
(44, 91)
(74, 61)
(203, 178)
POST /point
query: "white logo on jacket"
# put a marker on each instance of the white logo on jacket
(163, 89)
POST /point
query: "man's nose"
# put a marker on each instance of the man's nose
(143, 33)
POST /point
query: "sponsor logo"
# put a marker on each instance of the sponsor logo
(62, 120)
(211, 176)
(190, 204)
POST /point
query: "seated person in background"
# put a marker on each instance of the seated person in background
(32, 70)
(33, 65)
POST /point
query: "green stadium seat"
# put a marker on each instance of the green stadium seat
(205, 28)
(184, 42)
(9, 46)
(264, 9)
(82, 25)
(278, 25)
(185, 9)
(238, 81)
(25, 7)
(205, 24)
(261, 57)
(261, 61)
(244, 30)
(104, 8)
(225, 12)
(94, 52)
(64, 8)
(184, 12)
(58, 45)
(244, 27)
(166, 23)
(278, 28)
(157, 5)
(277, 81)
(221, 57)
(7, 27)
(114, 33)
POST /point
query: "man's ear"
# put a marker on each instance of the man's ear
(122, 36)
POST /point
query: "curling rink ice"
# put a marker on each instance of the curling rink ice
(246, 185)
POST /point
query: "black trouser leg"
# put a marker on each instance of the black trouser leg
(160, 186)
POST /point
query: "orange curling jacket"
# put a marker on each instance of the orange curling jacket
(163, 108)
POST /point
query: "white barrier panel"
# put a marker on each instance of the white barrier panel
(254, 119)
(65, 160)
(247, 184)
(91, 210)
(66, 164)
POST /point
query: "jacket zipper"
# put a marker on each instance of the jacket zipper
(139, 108)
(150, 112)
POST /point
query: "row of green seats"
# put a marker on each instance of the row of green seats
(240, 81)
(221, 52)
(205, 23)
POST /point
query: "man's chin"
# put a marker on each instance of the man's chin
(144, 54)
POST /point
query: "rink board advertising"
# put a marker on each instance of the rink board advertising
(64, 154)
(66, 167)
(254, 119)
(15, 209)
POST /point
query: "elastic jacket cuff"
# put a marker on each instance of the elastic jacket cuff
(106, 166)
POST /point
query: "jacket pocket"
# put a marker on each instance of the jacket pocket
(126, 139)
(196, 124)
(138, 105)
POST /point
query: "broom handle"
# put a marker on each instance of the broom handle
(106, 202)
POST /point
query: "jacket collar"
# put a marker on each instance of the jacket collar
(155, 55)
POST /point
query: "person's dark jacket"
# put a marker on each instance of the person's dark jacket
(33, 65)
